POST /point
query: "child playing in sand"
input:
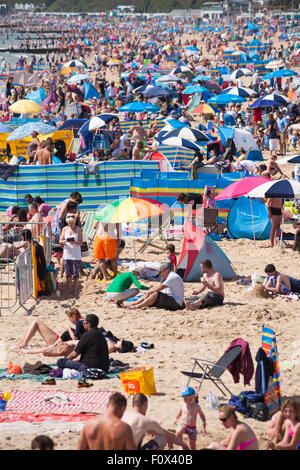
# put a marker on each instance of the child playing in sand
(170, 249)
(188, 413)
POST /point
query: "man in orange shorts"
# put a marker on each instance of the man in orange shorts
(105, 246)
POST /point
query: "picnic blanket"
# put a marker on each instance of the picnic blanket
(41, 377)
(57, 402)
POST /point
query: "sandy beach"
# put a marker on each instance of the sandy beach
(177, 337)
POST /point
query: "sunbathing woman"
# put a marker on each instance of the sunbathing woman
(242, 437)
(73, 332)
(291, 427)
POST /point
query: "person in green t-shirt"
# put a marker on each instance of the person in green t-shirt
(120, 288)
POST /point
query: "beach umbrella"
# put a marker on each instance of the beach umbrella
(280, 74)
(275, 64)
(240, 91)
(26, 129)
(188, 133)
(139, 107)
(241, 187)
(25, 107)
(133, 65)
(66, 71)
(240, 73)
(290, 159)
(285, 189)
(203, 109)
(180, 69)
(226, 98)
(114, 62)
(152, 91)
(168, 79)
(179, 142)
(75, 63)
(78, 77)
(270, 101)
(213, 87)
(190, 90)
(174, 124)
(201, 78)
(96, 122)
(125, 210)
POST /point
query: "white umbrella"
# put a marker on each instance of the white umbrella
(275, 64)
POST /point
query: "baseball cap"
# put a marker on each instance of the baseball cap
(188, 391)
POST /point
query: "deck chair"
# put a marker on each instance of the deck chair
(213, 370)
(88, 231)
(156, 235)
(210, 218)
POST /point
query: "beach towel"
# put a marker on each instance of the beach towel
(58, 402)
(41, 377)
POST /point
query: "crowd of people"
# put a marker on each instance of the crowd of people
(274, 131)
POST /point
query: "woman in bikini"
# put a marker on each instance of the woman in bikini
(274, 206)
(291, 427)
(242, 436)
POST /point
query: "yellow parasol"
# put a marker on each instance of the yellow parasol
(25, 107)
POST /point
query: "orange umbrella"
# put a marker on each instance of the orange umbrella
(66, 71)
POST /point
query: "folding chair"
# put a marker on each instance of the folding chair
(88, 231)
(155, 236)
(213, 370)
(210, 218)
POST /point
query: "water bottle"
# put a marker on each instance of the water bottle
(214, 402)
(209, 401)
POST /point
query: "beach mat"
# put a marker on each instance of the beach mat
(41, 377)
(57, 402)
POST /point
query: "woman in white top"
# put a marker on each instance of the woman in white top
(71, 241)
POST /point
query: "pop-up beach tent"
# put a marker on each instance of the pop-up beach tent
(197, 247)
(245, 221)
(241, 138)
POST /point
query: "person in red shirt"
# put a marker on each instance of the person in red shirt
(170, 249)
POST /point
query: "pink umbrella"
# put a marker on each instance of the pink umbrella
(241, 187)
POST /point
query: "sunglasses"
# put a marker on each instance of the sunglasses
(223, 419)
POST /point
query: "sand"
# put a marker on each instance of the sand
(177, 336)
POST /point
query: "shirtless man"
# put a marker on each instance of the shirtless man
(47, 154)
(213, 281)
(39, 154)
(138, 132)
(107, 431)
(141, 425)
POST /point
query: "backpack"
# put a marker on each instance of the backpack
(93, 373)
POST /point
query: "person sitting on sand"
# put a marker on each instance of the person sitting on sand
(107, 431)
(119, 289)
(276, 282)
(291, 427)
(242, 436)
(91, 347)
(168, 295)
(140, 425)
(213, 281)
(188, 415)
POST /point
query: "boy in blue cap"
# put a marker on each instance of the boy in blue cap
(188, 413)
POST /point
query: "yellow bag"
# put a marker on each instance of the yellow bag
(140, 380)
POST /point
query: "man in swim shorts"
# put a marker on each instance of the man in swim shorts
(213, 282)
(105, 246)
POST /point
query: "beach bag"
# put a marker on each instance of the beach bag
(140, 380)
(59, 350)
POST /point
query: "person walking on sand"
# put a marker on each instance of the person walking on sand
(213, 281)
(107, 431)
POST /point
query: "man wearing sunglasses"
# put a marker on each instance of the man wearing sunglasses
(92, 348)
